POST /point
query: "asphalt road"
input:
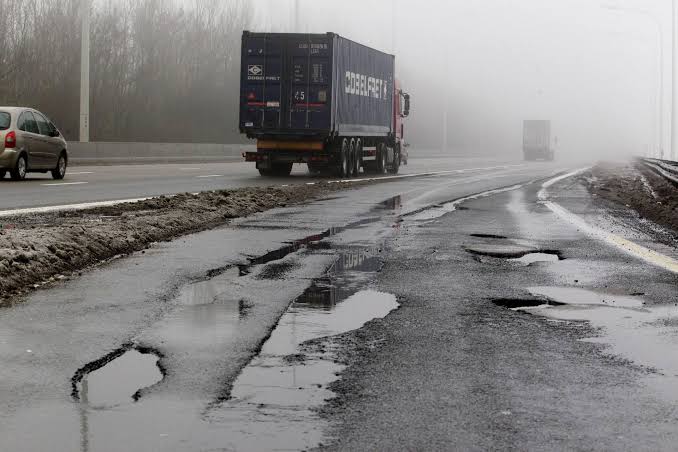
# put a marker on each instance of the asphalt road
(103, 183)
(448, 369)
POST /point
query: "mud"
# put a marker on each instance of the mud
(37, 250)
(634, 186)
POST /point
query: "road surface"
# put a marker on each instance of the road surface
(217, 341)
(102, 183)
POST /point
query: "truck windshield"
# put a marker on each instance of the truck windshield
(5, 119)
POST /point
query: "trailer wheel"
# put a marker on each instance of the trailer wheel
(357, 157)
(351, 158)
(343, 158)
(282, 169)
(381, 158)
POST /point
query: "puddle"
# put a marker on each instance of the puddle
(531, 258)
(273, 400)
(112, 382)
(578, 296)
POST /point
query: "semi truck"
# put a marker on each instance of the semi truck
(322, 100)
(537, 140)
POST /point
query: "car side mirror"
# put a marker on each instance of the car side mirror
(406, 110)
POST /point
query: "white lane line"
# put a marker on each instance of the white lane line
(209, 175)
(84, 205)
(58, 184)
(188, 169)
(629, 247)
(70, 173)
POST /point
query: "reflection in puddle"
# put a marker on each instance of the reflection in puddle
(273, 399)
(120, 380)
(531, 258)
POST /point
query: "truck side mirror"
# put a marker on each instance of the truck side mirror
(406, 110)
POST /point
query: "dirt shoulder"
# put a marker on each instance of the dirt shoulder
(40, 249)
(635, 186)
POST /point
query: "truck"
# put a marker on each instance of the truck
(537, 140)
(322, 100)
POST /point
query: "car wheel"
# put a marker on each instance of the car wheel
(20, 168)
(59, 172)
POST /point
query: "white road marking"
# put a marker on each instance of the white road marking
(209, 175)
(70, 173)
(188, 169)
(430, 173)
(58, 184)
(632, 248)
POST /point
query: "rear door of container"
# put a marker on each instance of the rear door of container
(286, 83)
(309, 59)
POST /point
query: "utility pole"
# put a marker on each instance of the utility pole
(84, 71)
(674, 75)
(296, 17)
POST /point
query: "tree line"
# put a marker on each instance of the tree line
(160, 70)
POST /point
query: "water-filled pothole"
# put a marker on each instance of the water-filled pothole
(273, 400)
(118, 377)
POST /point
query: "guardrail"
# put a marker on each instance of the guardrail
(665, 168)
(109, 153)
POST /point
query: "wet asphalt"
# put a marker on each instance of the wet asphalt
(452, 369)
(457, 369)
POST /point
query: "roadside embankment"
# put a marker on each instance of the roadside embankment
(40, 249)
(636, 187)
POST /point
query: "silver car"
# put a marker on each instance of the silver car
(29, 142)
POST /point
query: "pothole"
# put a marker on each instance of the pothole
(507, 251)
(519, 303)
(489, 236)
(118, 377)
(579, 296)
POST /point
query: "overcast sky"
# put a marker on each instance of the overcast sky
(591, 66)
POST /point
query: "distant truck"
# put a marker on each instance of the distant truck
(537, 140)
(323, 100)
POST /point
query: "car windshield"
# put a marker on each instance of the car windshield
(5, 120)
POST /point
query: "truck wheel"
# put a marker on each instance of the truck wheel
(3, 173)
(395, 167)
(381, 158)
(343, 158)
(357, 157)
(351, 159)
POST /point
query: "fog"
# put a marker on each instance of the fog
(590, 66)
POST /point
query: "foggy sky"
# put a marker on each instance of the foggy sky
(592, 70)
